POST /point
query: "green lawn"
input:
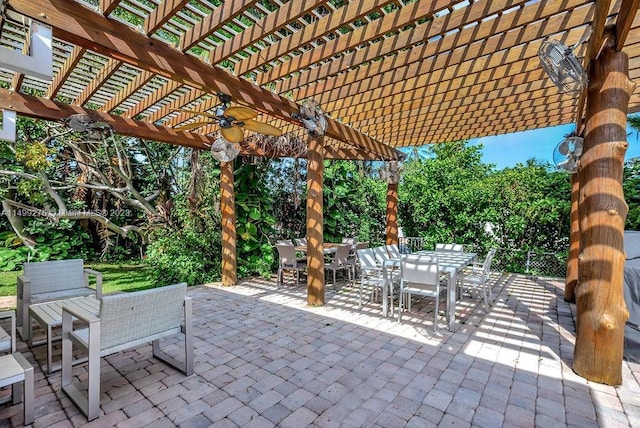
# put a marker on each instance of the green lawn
(115, 277)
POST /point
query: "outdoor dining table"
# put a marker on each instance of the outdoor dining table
(329, 248)
(449, 262)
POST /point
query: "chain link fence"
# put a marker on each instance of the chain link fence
(535, 263)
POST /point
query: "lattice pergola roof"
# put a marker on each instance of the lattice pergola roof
(399, 72)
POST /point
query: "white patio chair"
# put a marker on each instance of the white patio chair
(289, 261)
(393, 251)
(449, 247)
(420, 275)
(476, 277)
(284, 242)
(381, 254)
(301, 241)
(350, 241)
(372, 274)
(340, 261)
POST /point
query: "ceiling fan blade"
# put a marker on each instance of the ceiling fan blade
(200, 113)
(241, 113)
(193, 125)
(262, 128)
(233, 134)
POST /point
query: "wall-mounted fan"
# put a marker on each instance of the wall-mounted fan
(232, 121)
(224, 151)
(567, 154)
(562, 66)
(84, 123)
(312, 117)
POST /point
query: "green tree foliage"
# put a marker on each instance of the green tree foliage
(451, 196)
(443, 196)
(254, 220)
(187, 246)
(354, 202)
(631, 188)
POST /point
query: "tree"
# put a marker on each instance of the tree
(443, 197)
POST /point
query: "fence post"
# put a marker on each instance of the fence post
(527, 264)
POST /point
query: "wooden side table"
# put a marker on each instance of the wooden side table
(16, 371)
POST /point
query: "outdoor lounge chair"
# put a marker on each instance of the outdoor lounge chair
(125, 320)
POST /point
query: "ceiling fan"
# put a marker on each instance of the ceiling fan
(232, 121)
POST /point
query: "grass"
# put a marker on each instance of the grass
(115, 277)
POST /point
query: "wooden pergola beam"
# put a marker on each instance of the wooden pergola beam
(46, 109)
(386, 24)
(426, 79)
(211, 23)
(75, 24)
(287, 13)
(65, 71)
(101, 78)
(138, 82)
(504, 52)
(465, 96)
(490, 30)
(162, 14)
(165, 90)
(626, 16)
(597, 29)
(323, 26)
(108, 6)
(467, 104)
(177, 103)
(501, 124)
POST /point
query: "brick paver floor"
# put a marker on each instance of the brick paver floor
(264, 358)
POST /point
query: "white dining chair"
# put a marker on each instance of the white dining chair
(476, 277)
(289, 261)
(340, 261)
(420, 275)
(393, 251)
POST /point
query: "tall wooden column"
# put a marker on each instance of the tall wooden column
(228, 208)
(574, 243)
(392, 213)
(315, 222)
(601, 310)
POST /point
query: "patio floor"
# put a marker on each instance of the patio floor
(263, 358)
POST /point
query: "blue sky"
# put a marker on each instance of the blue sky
(510, 149)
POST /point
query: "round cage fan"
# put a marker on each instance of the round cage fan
(567, 154)
(312, 117)
(84, 123)
(232, 121)
(562, 67)
(224, 151)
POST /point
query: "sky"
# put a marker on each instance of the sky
(510, 149)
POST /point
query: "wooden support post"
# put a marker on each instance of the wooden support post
(574, 243)
(228, 208)
(315, 222)
(601, 310)
(392, 213)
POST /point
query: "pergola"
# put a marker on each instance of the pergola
(389, 73)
